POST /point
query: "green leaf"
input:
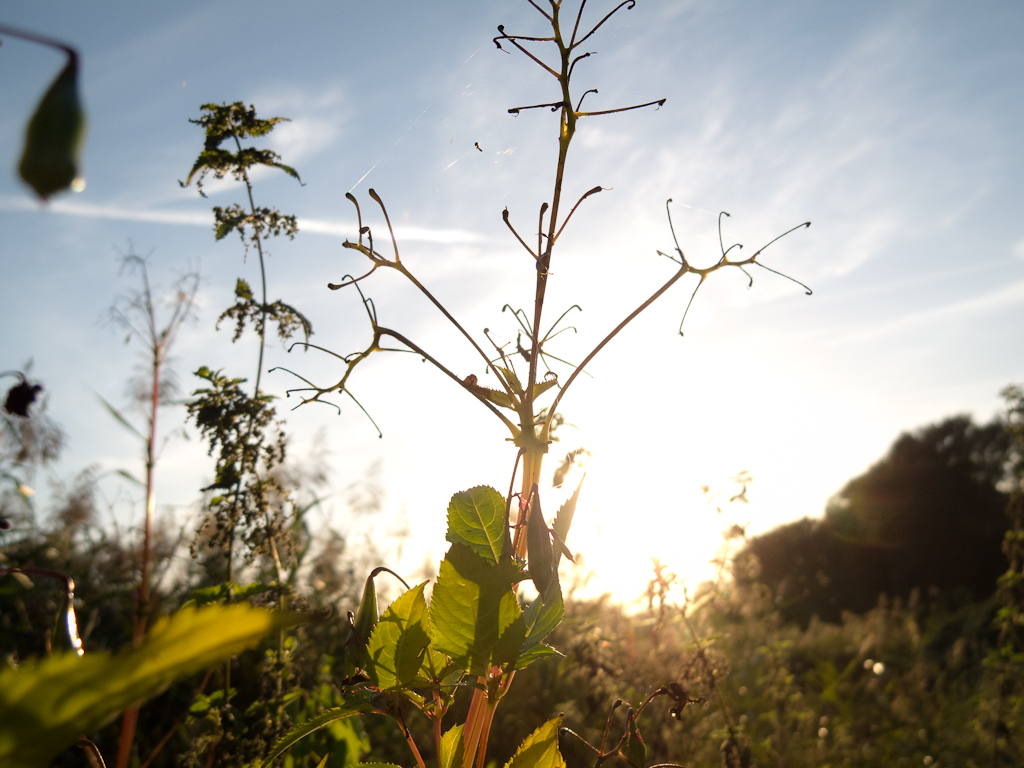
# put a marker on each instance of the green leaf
(512, 380)
(539, 651)
(496, 396)
(49, 703)
(242, 289)
(543, 386)
(121, 419)
(358, 703)
(476, 518)
(540, 748)
(543, 616)
(55, 136)
(399, 641)
(474, 614)
(220, 593)
(452, 748)
(130, 477)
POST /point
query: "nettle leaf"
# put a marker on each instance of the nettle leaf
(476, 518)
(242, 290)
(452, 748)
(543, 386)
(226, 220)
(49, 703)
(356, 703)
(475, 617)
(399, 641)
(540, 748)
(563, 518)
(497, 397)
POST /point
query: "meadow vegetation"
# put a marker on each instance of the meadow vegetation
(890, 631)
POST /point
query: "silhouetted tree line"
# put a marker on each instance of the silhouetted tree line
(930, 515)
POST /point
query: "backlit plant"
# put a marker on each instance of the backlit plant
(474, 633)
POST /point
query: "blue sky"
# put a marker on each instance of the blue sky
(894, 128)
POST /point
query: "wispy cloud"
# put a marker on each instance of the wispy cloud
(202, 218)
(90, 211)
(1007, 296)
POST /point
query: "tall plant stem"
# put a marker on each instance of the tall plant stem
(534, 443)
(256, 393)
(130, 718)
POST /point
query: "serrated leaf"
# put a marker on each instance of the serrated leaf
(476, 518)
(242, 289)
(512, 380)
(543, 386)
(399, 641)
(497, 397)
(451, 748)
(540, 748)
(474, 614)
(49, 703)
(358, 703)
(563, 518)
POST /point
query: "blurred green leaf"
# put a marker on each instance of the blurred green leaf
(476, 518)
(49, 703)
(130, 477)
(121, 419)
(55, 135)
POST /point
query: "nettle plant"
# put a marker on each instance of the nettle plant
(475, 633)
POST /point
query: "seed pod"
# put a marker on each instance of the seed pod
(539, 552)
(362, 627)
(55, 135)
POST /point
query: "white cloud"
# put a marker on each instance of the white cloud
(1009, 295)
(1018, 249)
(197, 218)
